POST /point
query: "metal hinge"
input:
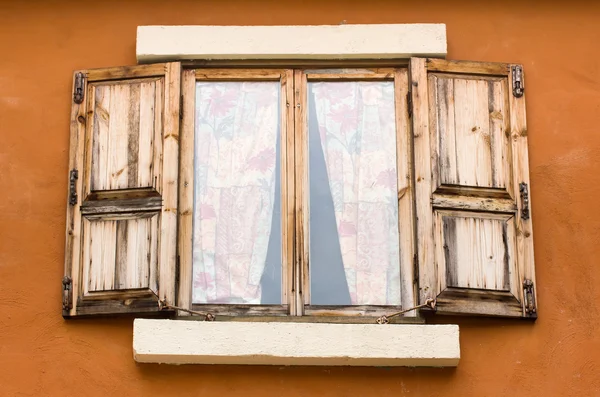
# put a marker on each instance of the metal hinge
(73, 175)
(78, 88)
(67, 300)
(517, 81)
(409, 103)
(529, 296)
(180, 107)
(524, 192)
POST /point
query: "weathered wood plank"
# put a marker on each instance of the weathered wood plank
(72, 264)
(471, 118)
(499, 140)
(443, 125)
(100, 137)
(186, 190)
(524, 233)
(476, 251)
(145, 144)
(423, 171)
(474, 302)
(354, 310)
(287, 186)
(126, 72)
(170, 173)
(242, 310)
(159, 136)
(406, 192)
(239, 74)
(467, 67)
(473, 203)
(471, 191)
(93, 207)
(302, 276)
(122, 256)
(102, 245)
(370, 76)
(116, 149)
(121, 194)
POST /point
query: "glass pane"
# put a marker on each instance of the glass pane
(237, 206)
(353, 202)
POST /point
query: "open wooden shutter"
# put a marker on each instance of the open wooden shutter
(475, 241)
(120, 254)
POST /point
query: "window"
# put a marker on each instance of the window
(300, 192)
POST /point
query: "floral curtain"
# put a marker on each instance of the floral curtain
(355, 124)
(237, 127)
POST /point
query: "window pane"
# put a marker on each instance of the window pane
(353, 203)
(237, 216)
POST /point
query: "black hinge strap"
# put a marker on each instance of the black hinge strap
(517, 81)
(524, 192)
(67, 300)
(529, 297)
(73, 175)
(78, 88)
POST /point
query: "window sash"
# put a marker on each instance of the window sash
(294, 188)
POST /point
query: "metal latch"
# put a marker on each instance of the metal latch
(67, 300)
(517, 81)
(78, 88)
(529, 296)
(524, 192)
(73, 175)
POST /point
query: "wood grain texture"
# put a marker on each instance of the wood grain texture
(167, 248)
(467, 119)
(239, 74)
(186, 190)
(287, 188)
(72, 264)
(123, 135)
(118, 253)
(524, 235)
(301, 273)
(478, 250)
(473, 203)
(406, 194)
(467, 67)
(126, 72)
(423, 178)
(464, 301)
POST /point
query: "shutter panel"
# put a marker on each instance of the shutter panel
(475, 242)
(120, 254)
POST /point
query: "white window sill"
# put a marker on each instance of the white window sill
(271, 343)
(377, 41)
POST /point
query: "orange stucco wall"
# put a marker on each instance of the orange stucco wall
(41, 354)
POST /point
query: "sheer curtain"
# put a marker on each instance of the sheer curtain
(237, 127)
(353, 124)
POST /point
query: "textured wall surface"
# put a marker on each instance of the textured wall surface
(41, 43)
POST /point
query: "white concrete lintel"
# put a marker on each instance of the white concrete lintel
(272, 343)
(378, 41)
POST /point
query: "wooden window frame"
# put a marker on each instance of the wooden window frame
(294, 182)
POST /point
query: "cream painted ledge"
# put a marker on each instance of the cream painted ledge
(377, 41)
(199, 342)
